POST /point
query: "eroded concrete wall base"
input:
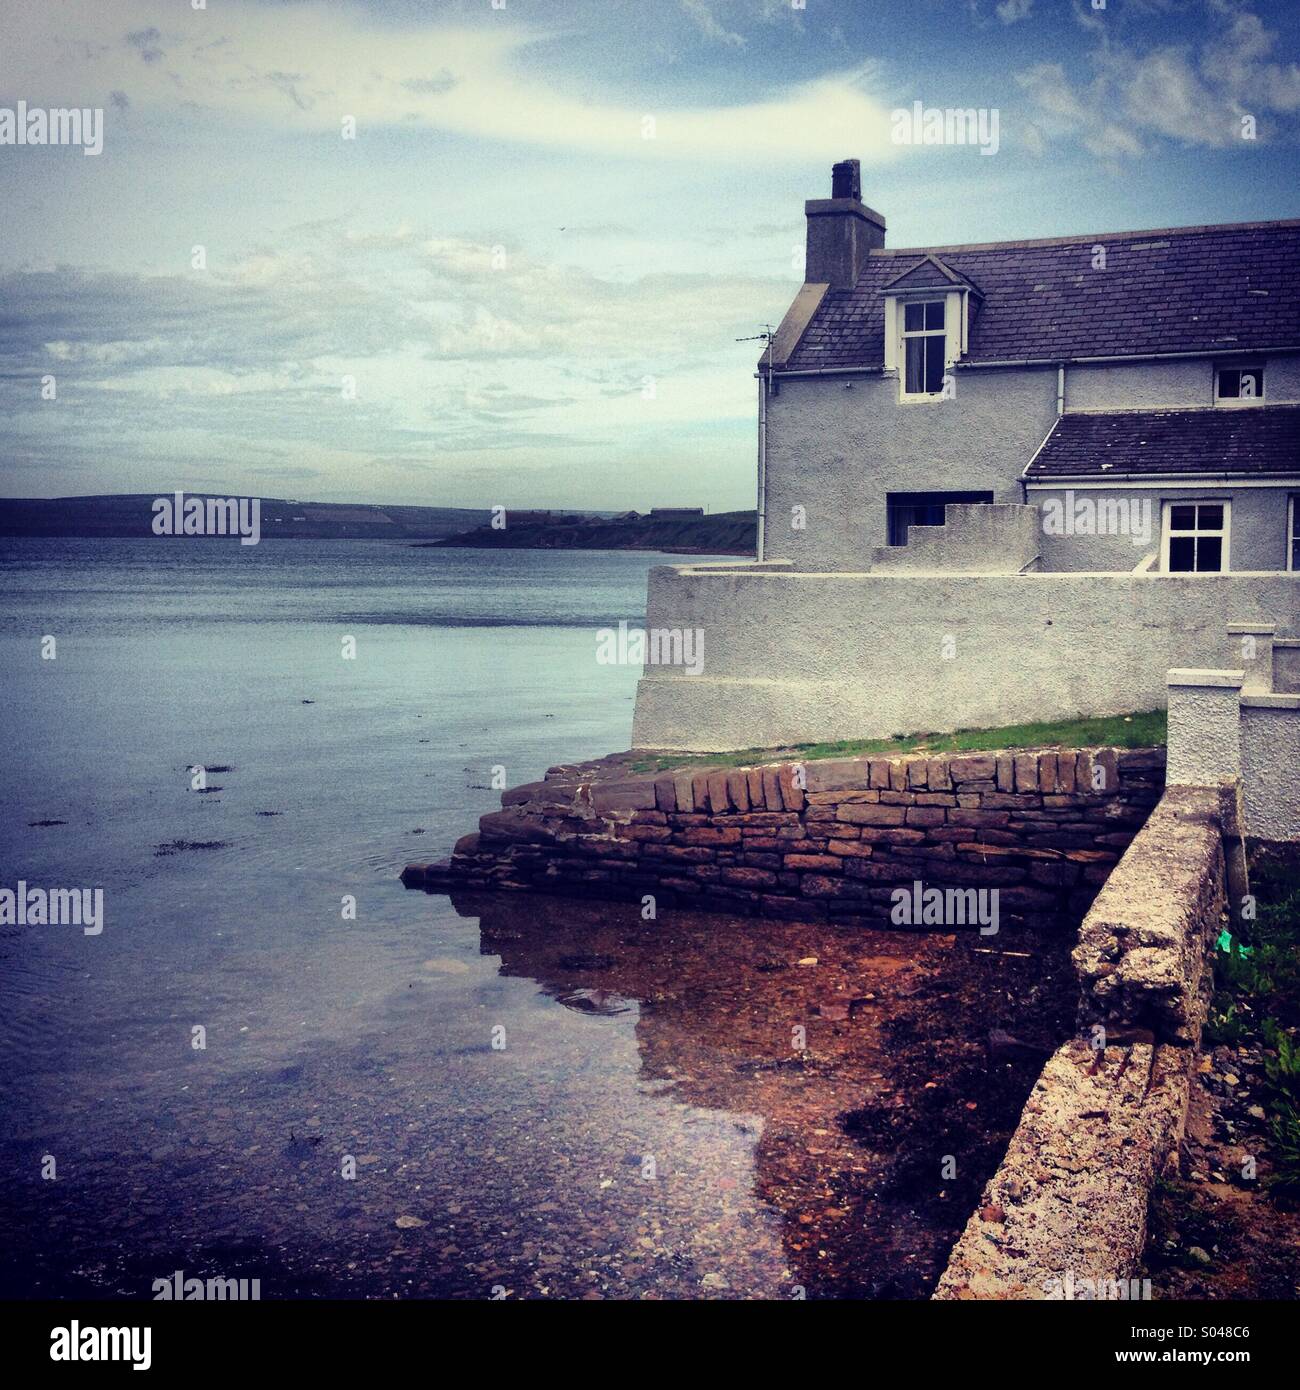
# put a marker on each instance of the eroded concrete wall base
(1067, 1209)
(1065, 1214)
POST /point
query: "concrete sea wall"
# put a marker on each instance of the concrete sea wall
(793, 657)
(1064, 1217)
(823, 838)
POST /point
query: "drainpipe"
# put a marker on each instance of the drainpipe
(760, 511)
(764, 381)
(1060, 388)
(761, 508)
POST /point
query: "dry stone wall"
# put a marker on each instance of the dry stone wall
(823, 838)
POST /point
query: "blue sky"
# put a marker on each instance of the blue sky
(510, 288)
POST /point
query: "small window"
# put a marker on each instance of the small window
(904, 509)
(925, 342)
(1196, 537)
(1239, 385)
(1293, 535)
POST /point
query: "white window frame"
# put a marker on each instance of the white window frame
(1225, 532)
(1245, 401)
(907, 335)
(955, 325)
(1292, 529)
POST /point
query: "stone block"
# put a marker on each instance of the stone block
(754, 784)
(791, 793)
(872, 815)
(738, 790)
(937, 774)
(837, 774)
(1047, 772)
(616, 798)
(772, 790)
(821, 863)
(1065, 783)
(851, 849)
(970, 767)
(709, 835)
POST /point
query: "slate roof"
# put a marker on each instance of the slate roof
(1185, 289)
(927, 272)
(1218, 440)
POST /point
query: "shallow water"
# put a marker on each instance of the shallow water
(645, 1124)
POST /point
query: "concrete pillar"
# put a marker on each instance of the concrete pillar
(1252, 648)
(1204, 727)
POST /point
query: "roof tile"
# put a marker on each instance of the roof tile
(1215, 440)
(1194, 289)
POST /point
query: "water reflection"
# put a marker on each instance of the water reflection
(539, 1098)
(879, 1075)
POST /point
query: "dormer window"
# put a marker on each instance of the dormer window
(1239, 385)
(925, 343)
(929, 309)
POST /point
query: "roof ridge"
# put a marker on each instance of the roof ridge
(1076, 238)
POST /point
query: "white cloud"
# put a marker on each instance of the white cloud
(505, 369)
(309, 65)
(1009, 11)
(1192, 95)
(708, 24)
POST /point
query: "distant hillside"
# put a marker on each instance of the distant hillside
(722, 533)
(131, 514)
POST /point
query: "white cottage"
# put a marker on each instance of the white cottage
(998, 482)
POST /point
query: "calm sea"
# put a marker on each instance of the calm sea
(274, 1062)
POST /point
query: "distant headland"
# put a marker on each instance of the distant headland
(679, 530)
(683, 530)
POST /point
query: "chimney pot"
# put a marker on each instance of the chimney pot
(846, 180)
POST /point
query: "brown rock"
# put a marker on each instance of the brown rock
(791, 794)
(872, 815)
(738, 790)
(973, 767)
(1026, 772)
(824, 863)
(772, 790)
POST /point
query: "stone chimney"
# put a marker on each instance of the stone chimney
(841, 230)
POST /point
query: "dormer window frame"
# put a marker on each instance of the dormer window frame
(956, 318)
